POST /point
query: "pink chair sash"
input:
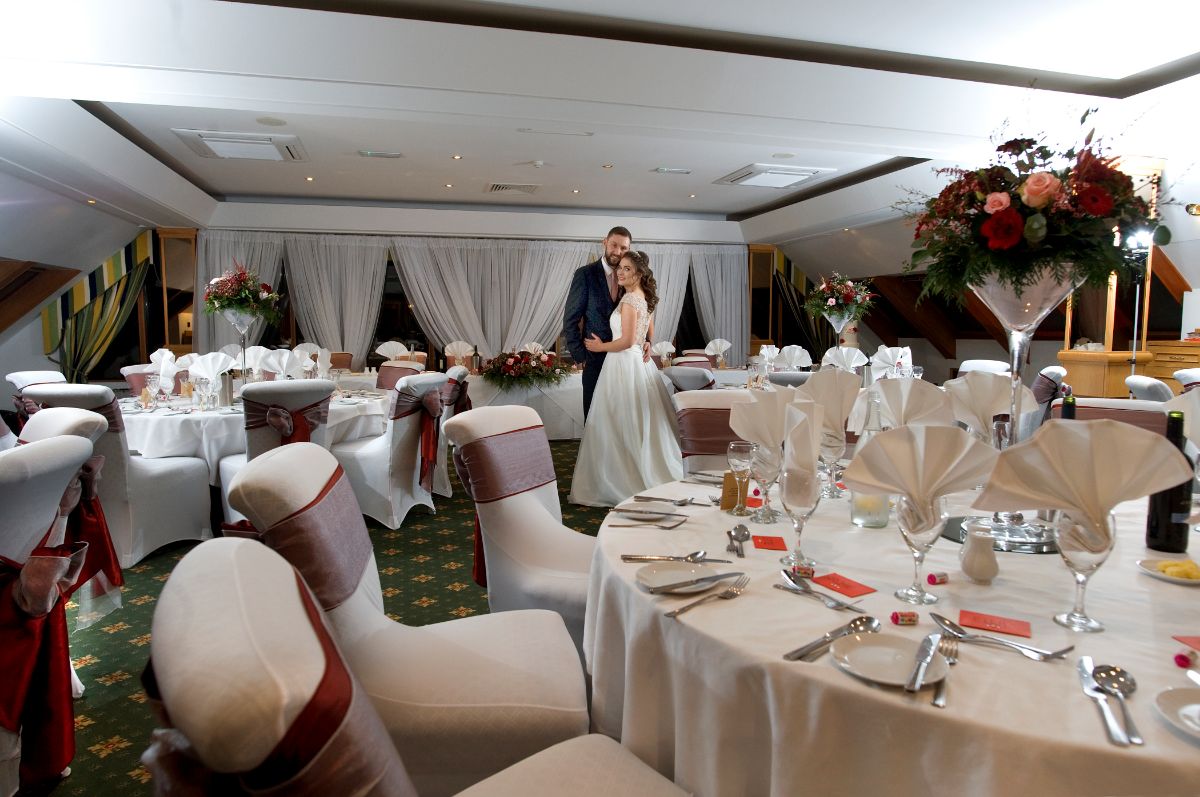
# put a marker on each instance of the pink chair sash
(389, 375)
(294, 426)
(704, 431)
(430, 403)
(454, 394)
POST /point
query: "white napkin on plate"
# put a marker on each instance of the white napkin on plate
(662, 349)
(794, 357)
(1084, 468)
(162, 362)
(923, 463)
(835, 390)
(459, 350)
(800, 452)
(210, 366)
(903, 402)
(764, 419)
(847, 358)
(977, 397)
(888, 357)
(717, 346)
(392, 350)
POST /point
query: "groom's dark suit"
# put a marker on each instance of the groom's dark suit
(589, 306)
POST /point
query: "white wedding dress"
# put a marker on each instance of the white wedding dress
(629, 443)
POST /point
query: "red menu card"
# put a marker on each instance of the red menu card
(992, 622)
(846, 586)
(769, 543)
(1192, 642)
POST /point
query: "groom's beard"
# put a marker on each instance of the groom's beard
(613, 260)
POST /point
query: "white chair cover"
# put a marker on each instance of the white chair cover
(7, 438)
(1187, 377)
(148, 502)
(685, 377)
(1147, 388)
(23, 379)
(456, 380)
(385, 471)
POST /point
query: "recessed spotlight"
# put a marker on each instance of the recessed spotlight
(91, 201)
(574, 190)
(456, 157)
(607, 166)
(449, 185)
(308, 179)
(845, 229)
(691, 196)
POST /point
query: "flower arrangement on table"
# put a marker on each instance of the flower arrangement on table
(239, 290)
(524, 369)
(1031, 211)
(839, 296)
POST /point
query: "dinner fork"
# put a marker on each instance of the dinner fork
(729, 593)
(948, 647)
(674, 525)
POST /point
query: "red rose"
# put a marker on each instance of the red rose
(1094, 200)
(1003, 230)
(264, 287)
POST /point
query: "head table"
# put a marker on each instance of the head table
(708, 700)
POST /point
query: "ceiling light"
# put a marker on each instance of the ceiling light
(449, 185)
(380, 153)
(669, 170)
(555, 132)
(691, 196)
(845, 229)
(456, 157)
(764, 175)
(91, 201)
(308, 179)
(574, 190)
(607, 166)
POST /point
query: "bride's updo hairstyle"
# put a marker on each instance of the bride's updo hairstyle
(641, 262)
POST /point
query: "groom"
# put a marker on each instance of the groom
(590, 302)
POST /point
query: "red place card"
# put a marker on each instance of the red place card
(846, 586)
(1192, 642)
(769, 543)
(753, 503)
(992, 622)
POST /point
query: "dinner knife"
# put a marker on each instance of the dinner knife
(925, 655)
(1092, 689)
(692, 582)
(638, 557)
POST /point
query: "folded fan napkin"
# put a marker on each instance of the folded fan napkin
(254, 355)
(903, 402)
(890, 357)
(768, 352)
(794, 357)
(835, 390)
(764, 419)
(210, 366)
(283, 362)
(847, 358)
(459, 350)
(922, 463)
(392, 350)
(183, 362)
(717, 347)
(662, 348)
(977, 397)
(800, 452)
(533, 347)
(1084, 468)
(162, 362)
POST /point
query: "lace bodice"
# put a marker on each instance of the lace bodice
(642, 311)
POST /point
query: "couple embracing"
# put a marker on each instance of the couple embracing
(629, 440)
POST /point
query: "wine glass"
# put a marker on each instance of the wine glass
(833, 445)
(200, 392)
(799, 493)
(1083, 549)
(920, 524)
(740, 454)
(152, 388)
(764, 467)
(336, 374)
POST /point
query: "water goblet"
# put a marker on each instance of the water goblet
(764, 467)
(152, 388)
(920, 524)
(740, 454)
(336, 374)
(1083, 549)
(800, 494)
(833, 445)
(200, 392)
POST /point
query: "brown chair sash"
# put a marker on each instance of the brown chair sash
(112, 413)
(25, 407)
(1188, 387)
(429, 402)
(1151, 420)
(1044, 389)
(704, 431)
(389, 375)
(454, 394)
(294, 426)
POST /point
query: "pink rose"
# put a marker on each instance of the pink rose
(545, 359)
(997, 200)
(831, 302)
(509, 361)
(1039, 188)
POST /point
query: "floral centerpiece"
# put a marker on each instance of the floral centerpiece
(524, 369)
(239, 290)
(838, 295)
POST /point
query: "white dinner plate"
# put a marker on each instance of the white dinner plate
(1148, 566)
(348, 401)
(712, 476)
(1181, 708)
(884, 658)
(660, 573)
(645, 514)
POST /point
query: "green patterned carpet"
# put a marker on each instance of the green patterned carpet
(425, 570)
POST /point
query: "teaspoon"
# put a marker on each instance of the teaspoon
(740, 535)
(1119, 684)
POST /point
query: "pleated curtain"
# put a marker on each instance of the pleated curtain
(670, 264)
(435, 282)
(721, 287)
(218, 251)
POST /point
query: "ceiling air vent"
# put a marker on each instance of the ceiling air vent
(246, 146)
(769, 175)
(511, 188)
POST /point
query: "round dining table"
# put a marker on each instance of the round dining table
(708, 700)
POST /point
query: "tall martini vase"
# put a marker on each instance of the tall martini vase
(241, 321)
(1020, 313)
(838, 321)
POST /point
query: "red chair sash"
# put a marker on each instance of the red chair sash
(704, 431)
(499, 466)
(294, 426)
(430, 403)
(87, 524)
(454, 394)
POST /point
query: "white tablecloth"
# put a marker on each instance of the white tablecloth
(561, 405)
(708, 700)
(215, 434)
(730, 377)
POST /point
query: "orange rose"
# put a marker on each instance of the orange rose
(1039, 188)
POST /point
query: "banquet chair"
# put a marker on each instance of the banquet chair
(1188, 378)
(704, 433)
(532, 560)
(23, 379)
(689, 378)
(991, 366)
(461, 699)
(33, 625)
(135, 377)
(789, 378)
(393, 370)
(1048, 386)
(1146, 414)
(341, 359)
(692, 361)
(7, 438)
(304, 402)
(1147, 388)
(148, 502)
(393, 472)
(455, 399)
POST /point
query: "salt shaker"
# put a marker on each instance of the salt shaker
(978, 558)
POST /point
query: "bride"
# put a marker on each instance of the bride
(629, 442)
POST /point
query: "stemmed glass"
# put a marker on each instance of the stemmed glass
(800, 494)
(740, 454)
(200, 392)
(152, 386)
(1083, 550)
(764, 467)
(920, 523)
(833, 445)
(336, 374)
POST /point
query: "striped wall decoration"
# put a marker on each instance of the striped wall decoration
(87, 289)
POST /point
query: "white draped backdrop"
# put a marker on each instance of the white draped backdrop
(495, 293)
